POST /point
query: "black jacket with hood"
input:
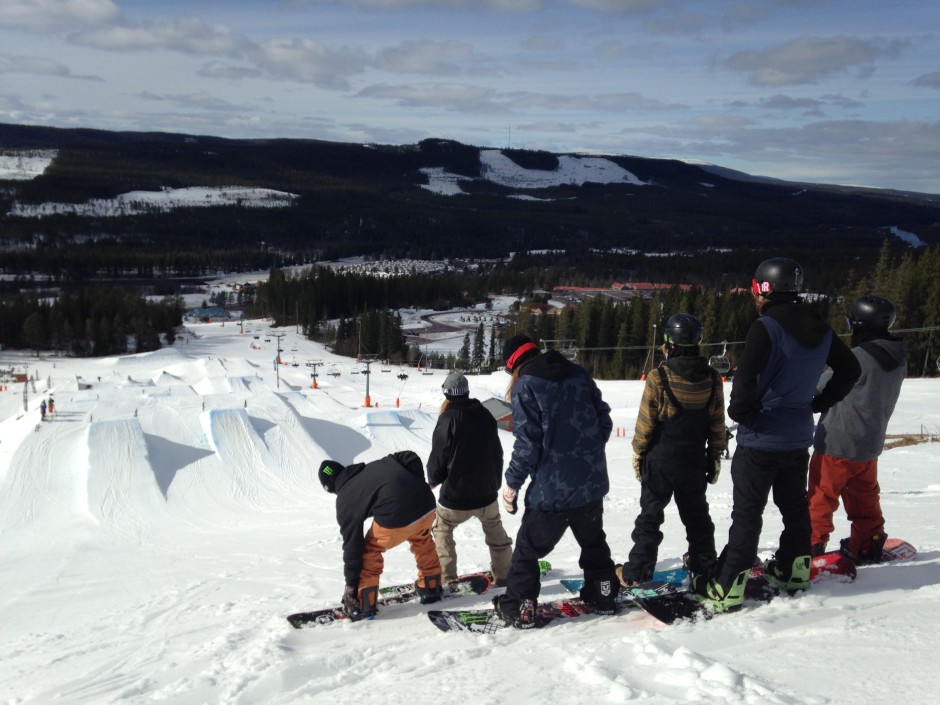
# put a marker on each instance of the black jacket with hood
(466, 455)
(391, 490)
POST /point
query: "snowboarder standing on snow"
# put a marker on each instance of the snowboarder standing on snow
(561, 426)
(467, 462)
(773, 398)
(677, 447)
(392, 491)
(51, 407)
(42, 410)
(851, 435)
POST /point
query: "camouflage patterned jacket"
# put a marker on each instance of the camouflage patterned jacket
(561, 426)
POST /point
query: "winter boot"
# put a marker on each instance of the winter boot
(710, 593)
(523, 618)
(872, 554)
(431, 591)
(626, 579)
(599, 594)
(363, 608)
(788, 578)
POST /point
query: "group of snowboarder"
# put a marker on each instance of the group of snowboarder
(46, 408)
(561, 425)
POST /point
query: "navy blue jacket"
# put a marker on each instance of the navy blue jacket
(561, 426)
(773, 395)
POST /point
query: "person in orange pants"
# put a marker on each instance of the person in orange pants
(393, 492)
(851, 435)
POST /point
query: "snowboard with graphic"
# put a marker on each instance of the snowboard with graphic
(486, 621)
(668, 604)
(475, 584)
(675, 576)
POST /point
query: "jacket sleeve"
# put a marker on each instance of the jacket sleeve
(845, 373)
(717, 430)
(603, 412)
(744, 402)
(439, 459)
(646, 418)
(350, 528)
(527, 429)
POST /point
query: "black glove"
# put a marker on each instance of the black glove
(819, 406)
(351, 600)
(712, 470)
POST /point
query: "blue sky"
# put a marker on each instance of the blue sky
(833, 91)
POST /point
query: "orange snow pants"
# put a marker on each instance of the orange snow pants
(856, 482)
(379, 540)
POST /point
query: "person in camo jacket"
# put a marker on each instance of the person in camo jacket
(677, 445)
(466, 461)
(561, 426)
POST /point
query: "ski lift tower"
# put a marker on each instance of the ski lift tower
(313, 375)
(277, 360)
(367, 360)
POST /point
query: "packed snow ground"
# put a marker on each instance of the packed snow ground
(158, 529)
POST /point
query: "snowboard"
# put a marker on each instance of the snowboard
(669, 605)
(486, 621)
(675, 576)
(475, 584)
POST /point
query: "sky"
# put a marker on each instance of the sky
(160, 527)
(832, 91)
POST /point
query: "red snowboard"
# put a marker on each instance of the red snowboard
(834, 564)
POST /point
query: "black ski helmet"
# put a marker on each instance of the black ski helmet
(777, 275)
(684, 330)
(872, 313)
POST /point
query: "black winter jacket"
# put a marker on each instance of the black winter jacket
(390, 490)
(466, 456)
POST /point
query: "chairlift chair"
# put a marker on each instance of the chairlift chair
(720, 363)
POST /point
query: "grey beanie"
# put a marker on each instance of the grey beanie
(456, 385)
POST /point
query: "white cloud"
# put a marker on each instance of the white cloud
(308, 62)
(57, 15)
(808, 59)
(429, 57)
(189, 35)
(39, 66)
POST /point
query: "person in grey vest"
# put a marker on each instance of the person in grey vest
(851, 435)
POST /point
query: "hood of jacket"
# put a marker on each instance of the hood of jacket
(889, 352)
(551, 365)
(798, 319)
(693, 369)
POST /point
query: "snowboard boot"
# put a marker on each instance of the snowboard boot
(817, 549)
(710, 593)
(368, 600)
(599, 595)
(431, 591)
(788, 578)
(625, 577)
(522, 618)
(872, 554)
